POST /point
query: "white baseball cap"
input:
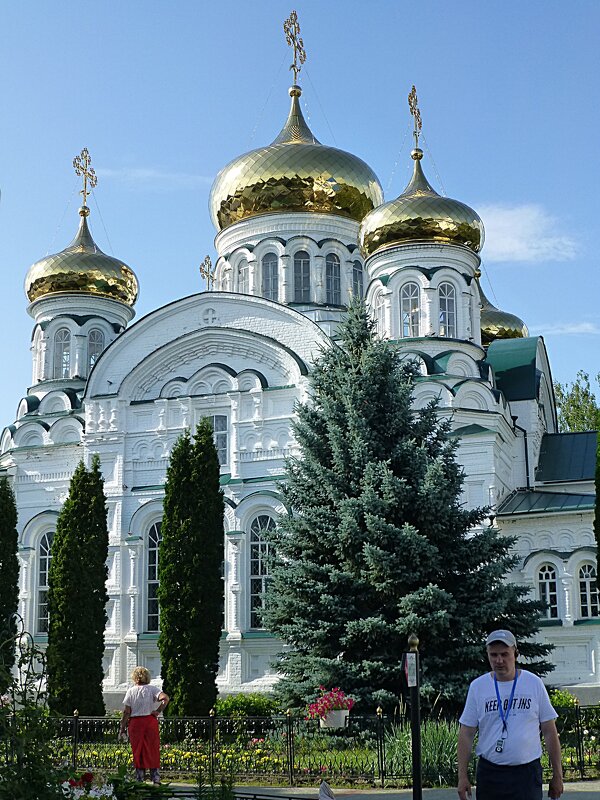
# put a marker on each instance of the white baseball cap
(506, 637)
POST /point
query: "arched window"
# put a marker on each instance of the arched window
(243, 276)
(62, 353)
(409, 310)
(380, 314)
(153, 612)
(357, 279)
(270, 288)
(259, 568)
(44, 558)
(219, 426)
(333, 281)
(95, 346)
(547, 589)
(447, 297)
(301, 277)
(588, 594)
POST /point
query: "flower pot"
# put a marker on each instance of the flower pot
(335, 719)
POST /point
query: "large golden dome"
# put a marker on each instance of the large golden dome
(497, 324)
(421, 214)
(294, 173)
(83, 268)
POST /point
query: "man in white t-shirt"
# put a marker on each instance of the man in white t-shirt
(508, 706)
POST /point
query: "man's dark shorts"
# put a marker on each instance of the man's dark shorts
(501, 782)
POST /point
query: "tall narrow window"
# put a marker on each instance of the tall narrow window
(243, 276)
(153, 615)
(301, 277)
(62, 353)
(44, 558)
(357, 279)
(95, 346)
(447, 298)
(333, 281)
(219, 426)
(259, 567)
(588, 594)
(270, 289)
(547, 588)
(409, 310)
(379, 307)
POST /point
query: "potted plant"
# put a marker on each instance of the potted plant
(331, 707)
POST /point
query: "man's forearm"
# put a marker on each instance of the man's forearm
(465, 746)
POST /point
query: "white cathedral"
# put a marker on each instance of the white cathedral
(301, 227)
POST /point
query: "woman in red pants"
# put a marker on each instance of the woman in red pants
(143, 703)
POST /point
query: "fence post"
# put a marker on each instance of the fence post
(380, 747)
(290, 745)
(212, 745)
(413, 679)
(75, 737)
(579, 728)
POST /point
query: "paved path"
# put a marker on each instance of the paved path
(584, 790)
(578, 790)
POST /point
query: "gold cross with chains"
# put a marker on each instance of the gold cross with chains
(413, 104)
(291, 29)
(82, 167)
(208, 272)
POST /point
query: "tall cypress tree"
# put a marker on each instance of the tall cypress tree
(190, 589)
(9, 578)
(77, 597)
(378, 544)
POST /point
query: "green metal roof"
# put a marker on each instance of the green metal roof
(525, 501)
(470, 430)
(567, 457)
(514, 364)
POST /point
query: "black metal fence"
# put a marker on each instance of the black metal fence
(283, 749)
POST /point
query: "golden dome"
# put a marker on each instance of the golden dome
(294, 173)
(496, 324)
(421, 214)
(83, 268)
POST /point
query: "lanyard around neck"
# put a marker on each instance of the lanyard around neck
(503, 716)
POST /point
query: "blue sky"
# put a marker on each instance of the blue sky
(165, 93)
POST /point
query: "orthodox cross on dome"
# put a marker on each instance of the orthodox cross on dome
(291, 29)
(208, 273)
(82, 164)
(413, 104)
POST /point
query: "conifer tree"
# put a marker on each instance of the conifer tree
(190, 589)
(9, 577)
(77, 597)
(378, 543)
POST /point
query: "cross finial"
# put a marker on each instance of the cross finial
(291, 28)
(82, 167)
(208, 273)
(413, 104)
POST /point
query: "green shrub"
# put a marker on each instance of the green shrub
(254, 704)
(561, 698)
(438, 751)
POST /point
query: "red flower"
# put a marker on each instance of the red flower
(87, 777)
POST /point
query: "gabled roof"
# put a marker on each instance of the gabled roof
(524, 501)
(567, 457)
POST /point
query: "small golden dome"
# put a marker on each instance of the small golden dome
(496, 324)
(294, 173)
(83, 268)
(421, 214)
